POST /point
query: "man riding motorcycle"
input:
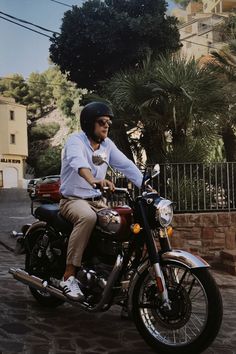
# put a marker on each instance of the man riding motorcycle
(79, 179)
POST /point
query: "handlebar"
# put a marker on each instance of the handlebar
(117, 189)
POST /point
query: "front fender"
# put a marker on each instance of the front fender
(143, 266)
(184, 258)
(177, 256)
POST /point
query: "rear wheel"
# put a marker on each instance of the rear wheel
(195, 316)
(40, 267)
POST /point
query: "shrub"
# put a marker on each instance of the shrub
(44, 131)
(49, 162)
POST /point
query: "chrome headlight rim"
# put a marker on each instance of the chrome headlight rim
(164, 211)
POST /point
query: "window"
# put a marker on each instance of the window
(12, 139)
(12, 115)
(1, 179)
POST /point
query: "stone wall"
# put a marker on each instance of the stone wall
(205, 234)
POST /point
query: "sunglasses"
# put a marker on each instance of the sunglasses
(103, 122)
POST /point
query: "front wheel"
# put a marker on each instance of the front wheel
(195, 316)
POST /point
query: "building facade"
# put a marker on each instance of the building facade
(199, 34)
(218, 6)
(13, 143)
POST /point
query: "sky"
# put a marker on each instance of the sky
(23, 51)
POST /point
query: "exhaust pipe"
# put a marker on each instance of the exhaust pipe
(36, 283)
(42, 285)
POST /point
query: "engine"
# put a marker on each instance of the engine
(93, 280)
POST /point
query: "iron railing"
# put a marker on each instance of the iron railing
(195, 187)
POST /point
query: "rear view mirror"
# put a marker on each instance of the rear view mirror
(156, 170)
(98, 160)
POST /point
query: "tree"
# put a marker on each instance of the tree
(225, 66)
(227, 29)
(49, 162)
(102, 37)
(171, 96)
(16, 87)
(40, 95)
(44, 131)
(65, 94)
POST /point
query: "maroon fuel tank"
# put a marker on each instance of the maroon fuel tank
(116, 222)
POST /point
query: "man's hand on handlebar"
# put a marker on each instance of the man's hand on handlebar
(101, 184)
(96, 183)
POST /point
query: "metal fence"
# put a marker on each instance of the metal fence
(196, 187)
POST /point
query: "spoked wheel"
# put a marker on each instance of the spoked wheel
(38, 265)
(195, 316)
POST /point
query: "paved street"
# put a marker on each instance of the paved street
(25, 327)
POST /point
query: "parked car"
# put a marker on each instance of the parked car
(47, 188)
(31, 187)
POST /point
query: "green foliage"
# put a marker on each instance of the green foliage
(225, 67)
(175, 95)
(49, 162)
(227, 29)
(16, 87)
(44, 131)
(65, 93)
(40, 95)
(102, 37)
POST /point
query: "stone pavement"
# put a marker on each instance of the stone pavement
(27, 328)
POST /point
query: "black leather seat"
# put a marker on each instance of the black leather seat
(50, 213)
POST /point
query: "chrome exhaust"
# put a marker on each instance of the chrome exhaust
(36, 283)
(42, 285)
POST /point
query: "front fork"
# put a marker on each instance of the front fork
(155, 258)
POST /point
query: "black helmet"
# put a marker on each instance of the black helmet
(90, 113)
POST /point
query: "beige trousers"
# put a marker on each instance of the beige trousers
(82, 214)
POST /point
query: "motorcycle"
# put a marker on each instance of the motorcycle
(170, 294)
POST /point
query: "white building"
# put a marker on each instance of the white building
(13, 143)
(199, 34)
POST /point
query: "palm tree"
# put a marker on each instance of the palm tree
(225, 66)
(170, 96)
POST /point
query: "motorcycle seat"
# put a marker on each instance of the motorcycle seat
(50, 213)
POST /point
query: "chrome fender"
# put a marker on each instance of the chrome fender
(184, 258)
(176, 256)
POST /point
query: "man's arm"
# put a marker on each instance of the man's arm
(119, 161)
(87, 175)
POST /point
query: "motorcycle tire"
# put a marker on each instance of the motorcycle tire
(189, 327)
(42, 298)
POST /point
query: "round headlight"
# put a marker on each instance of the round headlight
(164, 212)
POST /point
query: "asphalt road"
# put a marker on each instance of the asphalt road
(25, 327)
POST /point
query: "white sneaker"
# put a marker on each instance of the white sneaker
(71, 288)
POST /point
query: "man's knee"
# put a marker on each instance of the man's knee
(88, 218)
(91, 217)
